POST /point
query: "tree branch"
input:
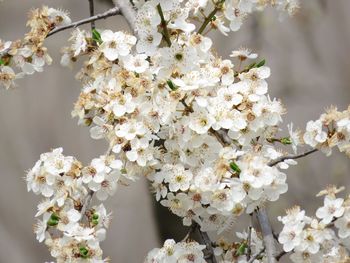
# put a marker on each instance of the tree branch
(127, 11)
(266, 231)
(206, 239)
(111, 12)
(92, 13)
(289, 157)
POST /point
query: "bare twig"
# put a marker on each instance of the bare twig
(249, 243)
(266, 231)
(92, 13)
(254, 257)
(127, 11)
(191, 230)
(289, 157)
(280, 255)
(111, 12)
(164, 25)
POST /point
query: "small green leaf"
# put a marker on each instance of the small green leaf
(241, 250)
(261, 63)
(251, 66)
(235, 167)
(94, 219)
(96, 36)
(54, 216)
(53, 220)
(84, 252)
(171, 85)
(286, 141)
(2, 62)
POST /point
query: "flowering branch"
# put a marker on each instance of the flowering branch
(200, 143)
(111, 12)
(289, 157)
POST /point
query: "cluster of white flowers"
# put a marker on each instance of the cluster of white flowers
(201, 128)
(314, 240)
(249, 244)
(70, 229)
(177, 252)
(173, 114)
(29, 55)
(330, 130)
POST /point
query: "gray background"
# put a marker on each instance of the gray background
(310, 63)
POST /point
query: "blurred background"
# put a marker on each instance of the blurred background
(309, 58)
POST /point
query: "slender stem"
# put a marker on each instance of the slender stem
(164, 25)
(249, 243)
(86, 204)
(280, 255)
(92, 13)
(254, 257)
(289, 157)
(111, 12)
(266, 231)
(210, 17)
(191, 230)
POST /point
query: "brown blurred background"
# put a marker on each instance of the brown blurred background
(310, 63)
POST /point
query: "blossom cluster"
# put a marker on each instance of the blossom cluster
(250, 244)
(332, 129)
(29, 55)
(173, 116)
(72, 231)
(314, 239)
(188, 250)
(177, 252)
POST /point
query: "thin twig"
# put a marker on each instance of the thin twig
(92, 13)
(249, 243)
(289, 157)
(111, 12)
(254, 257)
(127, 10)
(266, 231)
(210, 17)
(164, 25)
(280, 255)
(190, 232)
